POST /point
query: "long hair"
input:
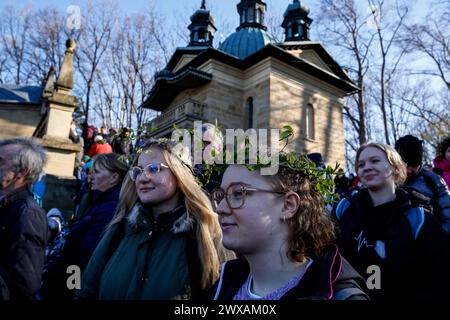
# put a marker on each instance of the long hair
(208, 232)
(311, 228)
(393, 157)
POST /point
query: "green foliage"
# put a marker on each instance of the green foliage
(320, 177)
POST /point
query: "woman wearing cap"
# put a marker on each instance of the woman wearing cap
(278, 225)
(164, 242)
(388, 236)
(99, 146)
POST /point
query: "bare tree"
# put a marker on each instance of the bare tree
(343, 27)
(430, 111)
(388, 26)
(137, 50)
(93, 40)
(16, 24)
(431, 37)
(47, 41)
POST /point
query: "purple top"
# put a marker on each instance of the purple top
(244, 293)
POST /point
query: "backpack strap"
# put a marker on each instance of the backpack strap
(416, 219)
(341, 208)
(350, 292)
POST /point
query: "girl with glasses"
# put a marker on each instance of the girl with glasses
(279, 227)
(164, 241)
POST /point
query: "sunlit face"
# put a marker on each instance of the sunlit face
(256, 226)
(7, 172)
(374, 169)
(447, 154)
(159, 188)
(102, 179)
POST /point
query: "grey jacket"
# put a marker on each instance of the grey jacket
(434, 187)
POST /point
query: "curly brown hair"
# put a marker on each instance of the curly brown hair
(311, 228)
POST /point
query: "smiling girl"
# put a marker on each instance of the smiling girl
(164, 242)
(386, 226)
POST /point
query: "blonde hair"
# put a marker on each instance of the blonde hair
(393, 157)
(208, 232)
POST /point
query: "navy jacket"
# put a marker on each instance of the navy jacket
(87, 232)
(23, 237)
(403, 240)
(435, 188)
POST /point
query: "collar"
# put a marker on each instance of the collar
(14, 196)
(176, 220)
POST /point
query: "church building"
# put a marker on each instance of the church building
(252, 81)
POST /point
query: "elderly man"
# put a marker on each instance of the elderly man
(23, 224)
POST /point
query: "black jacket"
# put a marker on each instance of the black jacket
(404, 241)
(435, 188)
(23, 237)
(314, 285)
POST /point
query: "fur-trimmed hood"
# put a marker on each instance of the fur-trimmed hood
(177, 220)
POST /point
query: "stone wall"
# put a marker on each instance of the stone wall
(58, 194)
(288, 107)
(18, 120)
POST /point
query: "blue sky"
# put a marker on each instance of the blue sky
(219, 7)
(224, 11)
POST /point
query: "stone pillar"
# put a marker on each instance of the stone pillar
(53, 134)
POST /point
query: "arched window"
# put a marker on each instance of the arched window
(309, 122)
(261, 16)
(243, 15)
(295, 29)
(251, 15)
(201, 35)
(249, 113)
(258, 16)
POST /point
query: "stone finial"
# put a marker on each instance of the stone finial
(49, 83)
(203, 6)
(65, 78)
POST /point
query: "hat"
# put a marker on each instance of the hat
(316, 157)
(410, 149)
(98, 138)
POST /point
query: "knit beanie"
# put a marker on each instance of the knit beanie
(410, 149)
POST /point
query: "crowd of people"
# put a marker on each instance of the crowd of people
(146, 229)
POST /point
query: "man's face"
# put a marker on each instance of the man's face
(412, 170)
(8, 173)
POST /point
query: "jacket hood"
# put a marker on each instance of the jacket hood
(441, 163)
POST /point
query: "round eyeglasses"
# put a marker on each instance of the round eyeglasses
(149, 169)
(235, 195)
